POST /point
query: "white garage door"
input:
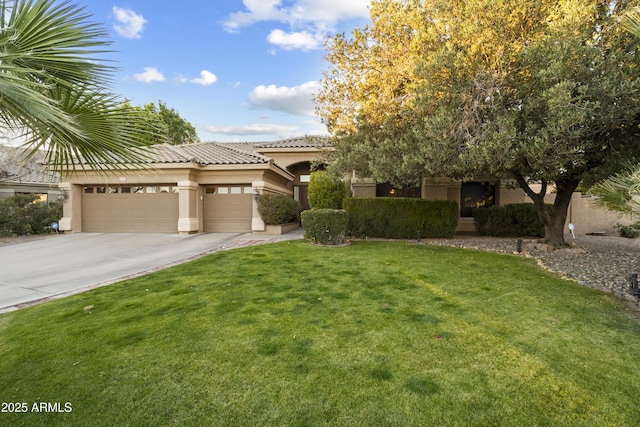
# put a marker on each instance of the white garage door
(130, 209)
(228, 208)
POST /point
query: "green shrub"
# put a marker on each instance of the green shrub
(401, 218)
(278, 209)
(631, 231)
(326, 191)
(21, 214)
(514, 220)
(325, 226)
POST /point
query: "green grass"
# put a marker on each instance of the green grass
(374, 334)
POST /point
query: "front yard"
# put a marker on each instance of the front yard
(376, 333)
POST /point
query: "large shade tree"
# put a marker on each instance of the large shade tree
(534, 91)
(54, 87)
(621, 192)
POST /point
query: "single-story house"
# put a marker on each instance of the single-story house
(19, 175)
(203, 187)
(213, 187)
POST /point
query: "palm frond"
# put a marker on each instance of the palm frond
(54, 88)
(620, 193)
(631, 21)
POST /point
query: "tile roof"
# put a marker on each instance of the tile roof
(301, 142)
(16, 169)
(207, 153)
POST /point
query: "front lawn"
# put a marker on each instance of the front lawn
(290, 334)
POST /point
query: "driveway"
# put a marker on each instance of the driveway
(62, 265)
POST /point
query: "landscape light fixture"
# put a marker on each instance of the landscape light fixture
(633, 285)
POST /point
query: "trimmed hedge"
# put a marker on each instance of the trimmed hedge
(21, 214)
(514, 220)
(325, 226)
(401, 218)
(278, 209)
(326, 191)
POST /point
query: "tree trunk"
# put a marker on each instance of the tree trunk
(555, 218)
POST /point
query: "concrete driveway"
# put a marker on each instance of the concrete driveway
(62, 265)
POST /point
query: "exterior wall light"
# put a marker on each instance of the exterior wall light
(255, 194)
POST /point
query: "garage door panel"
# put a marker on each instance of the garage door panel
(130, 212)
(228, 209)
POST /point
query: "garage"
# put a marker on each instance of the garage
(130, 208)
(228, 208)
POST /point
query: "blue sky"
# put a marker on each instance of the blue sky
(237, 70)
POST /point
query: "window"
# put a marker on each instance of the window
(138, 190)
(223, 190)
(88, 190)
(101, 190)
(305, 178)
(248, 190)
(174, 189)
(236, 190)
(112, 190)
(125, 190)
(210, 190)
(475, 195)
(163, 189)
(151, 190)
(388, 190)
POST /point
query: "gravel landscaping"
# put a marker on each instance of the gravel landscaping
(601, 262)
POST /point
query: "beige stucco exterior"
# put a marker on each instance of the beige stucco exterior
(586, 217)
(191, 183)
(209, 180)
(281, 167)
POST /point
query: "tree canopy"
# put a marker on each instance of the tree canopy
(544, 91)
(621, 192)
(163, 125)
(54, 87)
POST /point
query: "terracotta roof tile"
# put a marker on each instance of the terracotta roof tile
(301, 142)
(208, 153)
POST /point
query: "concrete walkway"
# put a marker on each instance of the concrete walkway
(41, 270)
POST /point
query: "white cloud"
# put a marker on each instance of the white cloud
(129, 24)
(296, 100)
(281, 131)
(316, 17)
(302, 40)
(317, 12)
(149, 75)
(206, 78)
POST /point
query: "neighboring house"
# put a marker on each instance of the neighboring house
(204, 187)
(19, 175)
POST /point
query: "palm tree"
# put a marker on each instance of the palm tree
(621, 192)
(54, 89)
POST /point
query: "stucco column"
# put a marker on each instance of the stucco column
(71, 220)
(188, 221)
(257, 224)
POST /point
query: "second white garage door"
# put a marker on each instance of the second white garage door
(228, 208)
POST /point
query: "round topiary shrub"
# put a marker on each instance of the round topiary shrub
(325, 226)
(278, 209)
